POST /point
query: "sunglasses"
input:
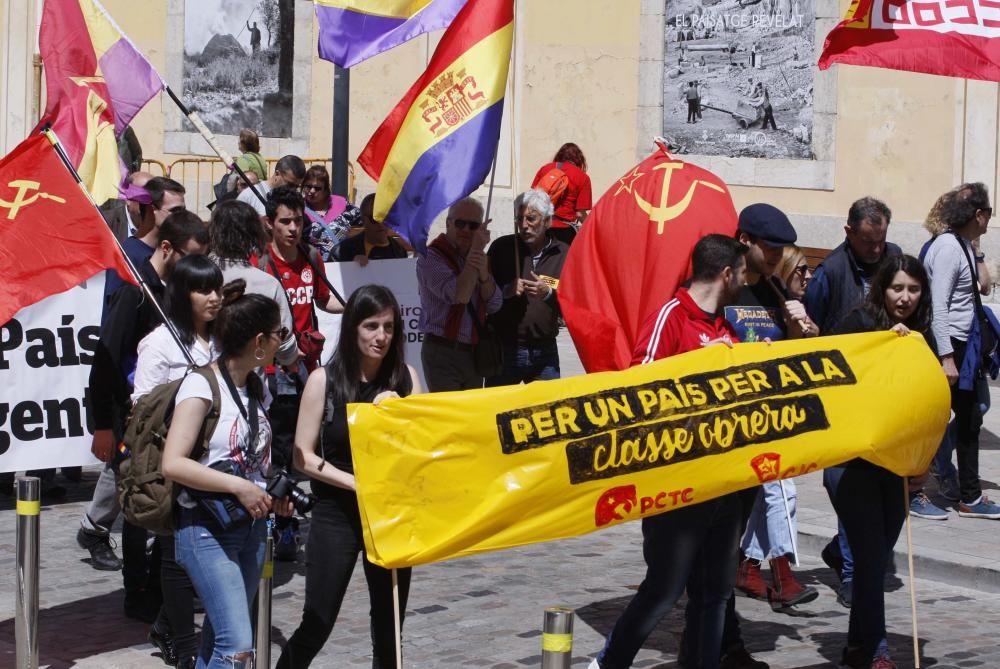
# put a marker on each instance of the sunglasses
(174, 210)
(802, 269)
(282, 333)
(462, 224)
(988, 211)
(311, 187)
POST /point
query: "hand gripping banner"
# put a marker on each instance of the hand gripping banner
(450, 474)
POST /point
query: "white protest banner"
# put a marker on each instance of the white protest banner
(45, 355)
(399, 276)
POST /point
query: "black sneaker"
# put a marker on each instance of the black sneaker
(740, 658)
(845, 594)
(832, 558)
(165, 644)
(102, 555)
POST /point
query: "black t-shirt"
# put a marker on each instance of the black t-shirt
(337, 438)
(757, 314)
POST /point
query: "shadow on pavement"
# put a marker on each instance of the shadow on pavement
(80, 629)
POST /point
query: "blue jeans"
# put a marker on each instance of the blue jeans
(831, 480)
(694, 546)
(769, 532)
(525, 363)
(225, 569)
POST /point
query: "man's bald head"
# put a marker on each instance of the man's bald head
(140, 178)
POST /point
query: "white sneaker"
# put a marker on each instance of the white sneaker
(593, 664)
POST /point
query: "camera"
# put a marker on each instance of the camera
(281, 484)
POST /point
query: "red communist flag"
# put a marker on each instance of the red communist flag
(634, 251)
(51, 237)
(956, 38)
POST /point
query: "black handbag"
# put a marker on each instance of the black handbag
(487, 353)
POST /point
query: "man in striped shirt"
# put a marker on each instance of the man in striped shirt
(700, 541)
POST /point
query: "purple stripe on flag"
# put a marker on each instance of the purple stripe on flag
(131, 81)
(445, 173)
(348, 37)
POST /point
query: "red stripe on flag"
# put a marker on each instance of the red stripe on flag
(478, 20)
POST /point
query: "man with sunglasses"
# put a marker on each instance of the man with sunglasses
(288, 171)
(457, 292)
(130, 317)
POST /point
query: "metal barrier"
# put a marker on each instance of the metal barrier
(557, 638)
(26, 547)
(148, 165)
(262, 643)
(199, 175)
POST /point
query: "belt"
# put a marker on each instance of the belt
(447, 343)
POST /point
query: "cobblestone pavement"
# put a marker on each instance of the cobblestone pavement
(485, 611)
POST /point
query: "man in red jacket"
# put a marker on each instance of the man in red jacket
(700, 541)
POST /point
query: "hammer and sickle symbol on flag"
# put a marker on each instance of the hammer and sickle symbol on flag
(665, 211)
(21, 200)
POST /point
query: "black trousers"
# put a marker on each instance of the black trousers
(968, 422)
(177, 614)
(693, 111)
(335, 539)
(140, 572)
(869, 502)
(769, 118)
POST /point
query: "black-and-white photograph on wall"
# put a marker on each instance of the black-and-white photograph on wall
(238, 57)
(738, 77)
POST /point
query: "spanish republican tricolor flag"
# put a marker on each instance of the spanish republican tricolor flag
(955, 38)
(351, 31)
(96, 81)
(438, 144)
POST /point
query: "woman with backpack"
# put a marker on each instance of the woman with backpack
(223, 505)
(368, 366)
(566, 181)
(193, 299)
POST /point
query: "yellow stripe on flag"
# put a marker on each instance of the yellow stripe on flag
(399, 9)
(103, 32)
(416, 135)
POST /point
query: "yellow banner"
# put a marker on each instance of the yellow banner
(450, 474)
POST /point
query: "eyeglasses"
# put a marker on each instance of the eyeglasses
(311, 187)
(282, 333)
(528, 218)
(461, 224)
(173, 210)
(802, 269)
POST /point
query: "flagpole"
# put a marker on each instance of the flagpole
(54, 140)
(213, 142)
(230, 163)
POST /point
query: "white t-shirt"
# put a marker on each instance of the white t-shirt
(252, 200)
(161, 361)
(231, 436)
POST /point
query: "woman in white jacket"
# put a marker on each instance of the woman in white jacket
(193, 299)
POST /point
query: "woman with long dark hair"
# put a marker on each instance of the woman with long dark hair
(869, 499)
(193, 299)
(223, 505)
(368, 366)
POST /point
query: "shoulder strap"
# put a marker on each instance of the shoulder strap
(314, 260)
(972, 272)
(212, 419)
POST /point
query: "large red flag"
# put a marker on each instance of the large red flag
(51, 237)
(956, 38)
(634, 251)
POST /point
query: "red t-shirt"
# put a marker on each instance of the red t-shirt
(577, 196)
(679, 326)
(301, 287)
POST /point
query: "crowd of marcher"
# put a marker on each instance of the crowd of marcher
(239, 296)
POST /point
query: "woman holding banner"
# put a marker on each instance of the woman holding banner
(868, 499)
(368, 366)
(193, 300)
